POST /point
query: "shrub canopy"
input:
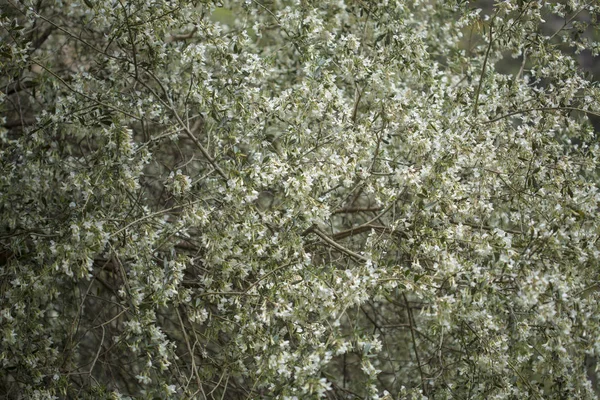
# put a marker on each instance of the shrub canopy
(298, 199)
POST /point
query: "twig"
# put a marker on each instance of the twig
(204, 152)
(356, 103)
(186, 128)
(350, 210)
(85, 95)
(40, 40)
(98, 352)
(20, 123)
(266, 276)
(71, 35)
(485, 60)
(110, 320)
(518, 76)
(148, 216)
(19, 85)
(131, 39)
(187, 342)
(338, 246)
(414, 341)
(185, 36)
(526, 110)
(568, 21)
(359, 229)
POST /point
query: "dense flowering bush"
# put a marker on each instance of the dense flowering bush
(298, 199)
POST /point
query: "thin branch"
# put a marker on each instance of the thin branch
(485, 60)
(203, 150)
(338, 246)
(189, 347)
(20, 85)
(20, 123)
(359, 229)
(350, 210)
(110, 320)
(71, 35)
(181, 37)
(85, 95)
(356, 103)
(525, 381)
(98, 352)
(40, 40)
(567, 22)
(411, 323)
(526, 110)
(132, 40)
(186, 128)
(520, 73)
(487, 228)
(148, 216)
(266, 276)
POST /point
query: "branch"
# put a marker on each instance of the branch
(91, 46)
(186, 128)
(567, 22)
(204, 152)
(411, 323)
(181, 37)
(98, 352)
(20, 85)
(40, 40)
(19, 123)
(360, 229)
(356, 103)
(338, 246)
(526, 110)
(190, 350)
(85, 95)
(350, 210)
(485, 60)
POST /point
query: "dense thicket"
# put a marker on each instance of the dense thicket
(298, 199)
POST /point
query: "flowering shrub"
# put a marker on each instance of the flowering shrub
(298, 199)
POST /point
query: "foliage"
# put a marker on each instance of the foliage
(298, 199)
